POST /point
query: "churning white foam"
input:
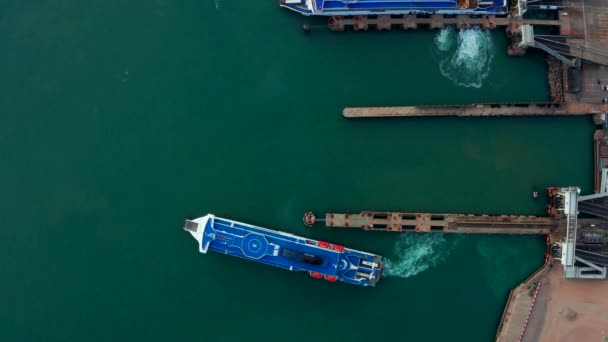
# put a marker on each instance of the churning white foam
(465, 57)
(416, 252)
(445, 39)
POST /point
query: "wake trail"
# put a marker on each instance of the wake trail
(416, 252)
(465, 56)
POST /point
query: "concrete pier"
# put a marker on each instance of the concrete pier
(514, 109)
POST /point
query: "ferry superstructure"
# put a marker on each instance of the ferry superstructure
(320, 259)
(395, 7)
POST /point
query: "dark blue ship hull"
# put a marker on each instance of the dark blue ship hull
(320, 259)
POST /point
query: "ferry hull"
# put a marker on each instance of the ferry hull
(320, 259)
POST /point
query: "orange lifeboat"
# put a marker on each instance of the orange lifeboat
(337, 248)
(316, 275)
(332, 279)
(323, 244)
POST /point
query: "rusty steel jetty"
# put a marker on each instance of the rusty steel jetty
(442, 223)
(433, 21)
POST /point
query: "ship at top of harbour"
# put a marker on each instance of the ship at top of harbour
(320, 259)
(395, 7)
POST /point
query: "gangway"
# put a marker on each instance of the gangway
(577, 262)
(596, 258)
(570, 209)
(566, 203)
(526, 38)
(594, 207)
(596, 204)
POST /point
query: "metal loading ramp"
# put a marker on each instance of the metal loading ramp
(570, 203)
(578, 260)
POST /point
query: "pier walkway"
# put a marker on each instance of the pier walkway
(443, 223)
(435, 21)
(573, 108)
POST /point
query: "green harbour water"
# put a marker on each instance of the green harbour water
(119, 119)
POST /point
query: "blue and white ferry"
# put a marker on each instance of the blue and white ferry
(395, 7)
(320, 259)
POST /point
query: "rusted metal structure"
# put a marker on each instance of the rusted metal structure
(434, 21)
(442, 223)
